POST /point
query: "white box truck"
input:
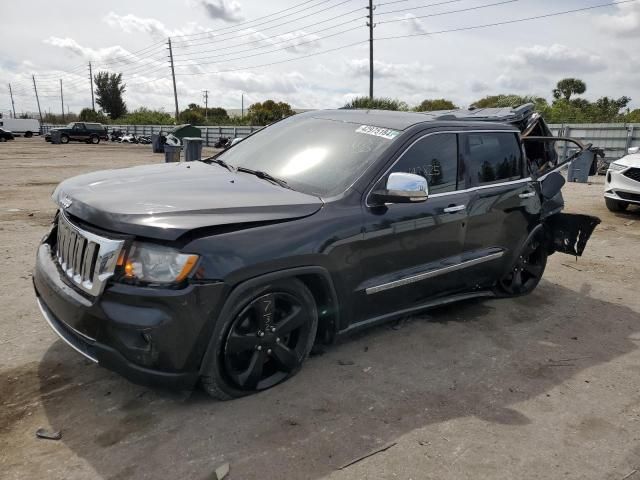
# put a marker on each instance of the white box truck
(26, 127)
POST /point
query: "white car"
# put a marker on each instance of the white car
(622, 183)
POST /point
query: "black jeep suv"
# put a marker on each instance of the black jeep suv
(80, 132)
(229, 269)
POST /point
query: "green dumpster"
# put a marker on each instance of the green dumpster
(187, 130)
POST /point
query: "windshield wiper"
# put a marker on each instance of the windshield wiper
(220, 162)
(265, 176)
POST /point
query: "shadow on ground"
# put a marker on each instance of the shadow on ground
(477, 358)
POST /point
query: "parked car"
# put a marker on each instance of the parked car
(27, 127)
(226, 271)
(80, 132)
(622, 183)
(5, 135)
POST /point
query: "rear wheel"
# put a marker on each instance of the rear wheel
(64, 139)
(95, 140)
(615, 205)
(28, 135)
(527, 271)
(262, 342)
(2, 139)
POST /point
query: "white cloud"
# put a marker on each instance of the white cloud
(415, 25)
(477, 86)
(382, 69)
(262, 83)
(226, 10)
(624, 23)
(555, 58)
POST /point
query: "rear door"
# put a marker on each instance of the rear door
(411, 251)
(504, 203)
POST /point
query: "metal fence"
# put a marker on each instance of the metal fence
(614, 138)
(209, 134)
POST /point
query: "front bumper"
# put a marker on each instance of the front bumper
(148, 335)
(620, 187)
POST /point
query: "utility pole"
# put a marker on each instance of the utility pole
(13, 105)
(371, 25)
(93, 103)
(242, 106)
(62, 100)
(173, 75)
(206, 103)
(35, 89)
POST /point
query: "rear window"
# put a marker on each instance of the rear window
(94, 126)
(492, 157)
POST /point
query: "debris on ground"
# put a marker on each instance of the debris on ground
(370, 454)
(345, 363)
(571, 266)
(222, 471)
(628, 224)
(48, 435)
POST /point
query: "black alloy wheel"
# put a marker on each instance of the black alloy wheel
(527, 271)
(265, 341)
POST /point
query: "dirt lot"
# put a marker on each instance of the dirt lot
(545, 387)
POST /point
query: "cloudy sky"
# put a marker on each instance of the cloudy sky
(293, 50)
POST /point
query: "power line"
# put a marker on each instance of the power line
(419, 7)
(274, 36)
(479, 7)
(508, 22)
(216, 38)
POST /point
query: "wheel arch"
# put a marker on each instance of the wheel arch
(316, 279)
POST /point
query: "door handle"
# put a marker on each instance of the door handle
(454, 208)
(527, 194)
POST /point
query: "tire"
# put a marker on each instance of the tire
(262, 341)
(28, 134)
(527, 272)
(64, 139)
(615, 205)
(94, 140)
(2, 139)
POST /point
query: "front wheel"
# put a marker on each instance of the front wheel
(262, 342)
(64, 139)
(615, 205)
(527, 272)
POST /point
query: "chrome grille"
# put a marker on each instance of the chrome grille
(87, 259)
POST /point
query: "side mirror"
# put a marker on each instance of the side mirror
(552, 185)
(402, 188)
(633, 150)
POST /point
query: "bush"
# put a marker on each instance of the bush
(377, 104)
(145, 116)
(436, 104)
(268, 112)
(90, 115)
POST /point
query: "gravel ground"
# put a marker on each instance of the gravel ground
(546, 386)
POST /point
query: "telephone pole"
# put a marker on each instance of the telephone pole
(13, 105)
(93, 103)
(173, 76)
(62, 100)
(242, 106)
(371, 25)
(35, 89)
(206, 103)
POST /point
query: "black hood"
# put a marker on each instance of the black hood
(165, 201)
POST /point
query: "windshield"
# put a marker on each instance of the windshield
(70, 125)
(316, 156)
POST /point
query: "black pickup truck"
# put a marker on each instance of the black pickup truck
(80, 132)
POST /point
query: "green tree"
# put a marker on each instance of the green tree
(567, 87)
(377, 104)
(633, 116)
(146, 116)
(109, 90)
(508, 100)
(89, 115)
(435, 104)
(268, 112)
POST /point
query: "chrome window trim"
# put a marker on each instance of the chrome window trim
(454, 192)
(432, 273)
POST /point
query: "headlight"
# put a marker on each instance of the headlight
(616, 167)
(151, 263)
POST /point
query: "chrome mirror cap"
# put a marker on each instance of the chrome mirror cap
(403, 188)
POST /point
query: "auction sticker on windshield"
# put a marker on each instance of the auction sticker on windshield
(378, 131)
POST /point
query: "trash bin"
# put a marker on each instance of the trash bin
(157, 143)
(172, 153)
(55, 137)
(580, 166)
(192, 148)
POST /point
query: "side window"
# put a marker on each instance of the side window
(434, 157)
(492, 157)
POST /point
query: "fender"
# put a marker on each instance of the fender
(239, 291)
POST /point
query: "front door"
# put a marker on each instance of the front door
(410, 251)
